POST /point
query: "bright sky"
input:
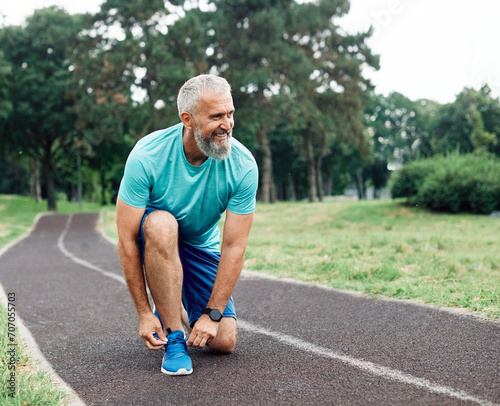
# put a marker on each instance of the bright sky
(429, 48)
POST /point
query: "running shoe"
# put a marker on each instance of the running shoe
(176, 360)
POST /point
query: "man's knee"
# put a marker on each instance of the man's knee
(225, 342)
(160, 226)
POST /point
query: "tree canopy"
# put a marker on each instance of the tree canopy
(89, 86)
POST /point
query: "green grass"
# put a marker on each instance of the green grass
(382, 248)
(33, 387)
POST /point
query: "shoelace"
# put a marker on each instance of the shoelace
(176, 345)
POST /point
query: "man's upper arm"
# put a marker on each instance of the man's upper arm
(128, 221)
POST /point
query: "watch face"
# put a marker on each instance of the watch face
(215, 314)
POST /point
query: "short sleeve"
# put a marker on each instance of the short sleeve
(135, 185)
(243, 200)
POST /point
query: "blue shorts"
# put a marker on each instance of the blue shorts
(199, 267)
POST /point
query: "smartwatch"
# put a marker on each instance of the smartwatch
(214, 314)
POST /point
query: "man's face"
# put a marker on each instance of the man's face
(214, 124)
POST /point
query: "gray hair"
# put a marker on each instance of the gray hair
(191, 92)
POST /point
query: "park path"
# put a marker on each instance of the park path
(298, 344)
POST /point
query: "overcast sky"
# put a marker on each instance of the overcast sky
(429, 48)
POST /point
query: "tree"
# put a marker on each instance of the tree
(470, 123)
(400, 128)
(400, 131)
(274, 51)
(133, 58)
(101, 93)
(7, 183)
(161, 45)
(250, 49)
(330, 90)
(40, 58)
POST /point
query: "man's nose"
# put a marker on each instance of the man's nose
(227, 122)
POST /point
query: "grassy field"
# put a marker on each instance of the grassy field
(379, 248)
(33, 387)
(382, 248)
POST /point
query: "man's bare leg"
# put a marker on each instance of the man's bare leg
(185, 320)
(227, 334)
(164, 274)
(163, 267)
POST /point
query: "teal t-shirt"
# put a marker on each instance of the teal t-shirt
(157, 174)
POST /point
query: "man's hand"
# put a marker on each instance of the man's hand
(204, 331)
(148, 325)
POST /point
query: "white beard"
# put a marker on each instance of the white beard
(208, 145)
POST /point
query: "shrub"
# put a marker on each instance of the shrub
(408, 180)
(456, 183)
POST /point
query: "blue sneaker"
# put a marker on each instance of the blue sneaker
(176, 360)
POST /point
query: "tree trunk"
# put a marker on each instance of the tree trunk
(292, 195)
(360, 183)
(266, 171)
(311, 169)
(319, 174)
(329, 186)
(319, 165)
(35, 187)
(49, 181)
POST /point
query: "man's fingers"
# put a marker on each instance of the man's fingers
(151, 332)
(192, 339)
(152, 342)
(162, 335)
(198, 340)
(202, 334)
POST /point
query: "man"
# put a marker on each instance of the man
(177, 184)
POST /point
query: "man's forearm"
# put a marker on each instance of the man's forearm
(228, 272)
(134, 276)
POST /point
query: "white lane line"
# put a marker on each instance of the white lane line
(370, 367)
(379, 370)
(60, 244)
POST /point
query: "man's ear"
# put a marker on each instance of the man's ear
(187, 120)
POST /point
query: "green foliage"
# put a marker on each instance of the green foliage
(407, 181)
(298, 83)
(5, 84)
(468, 183)
(470, 123)
(456, 183)
(92, 85)
(40, 58)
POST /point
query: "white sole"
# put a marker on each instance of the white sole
(182, 371)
